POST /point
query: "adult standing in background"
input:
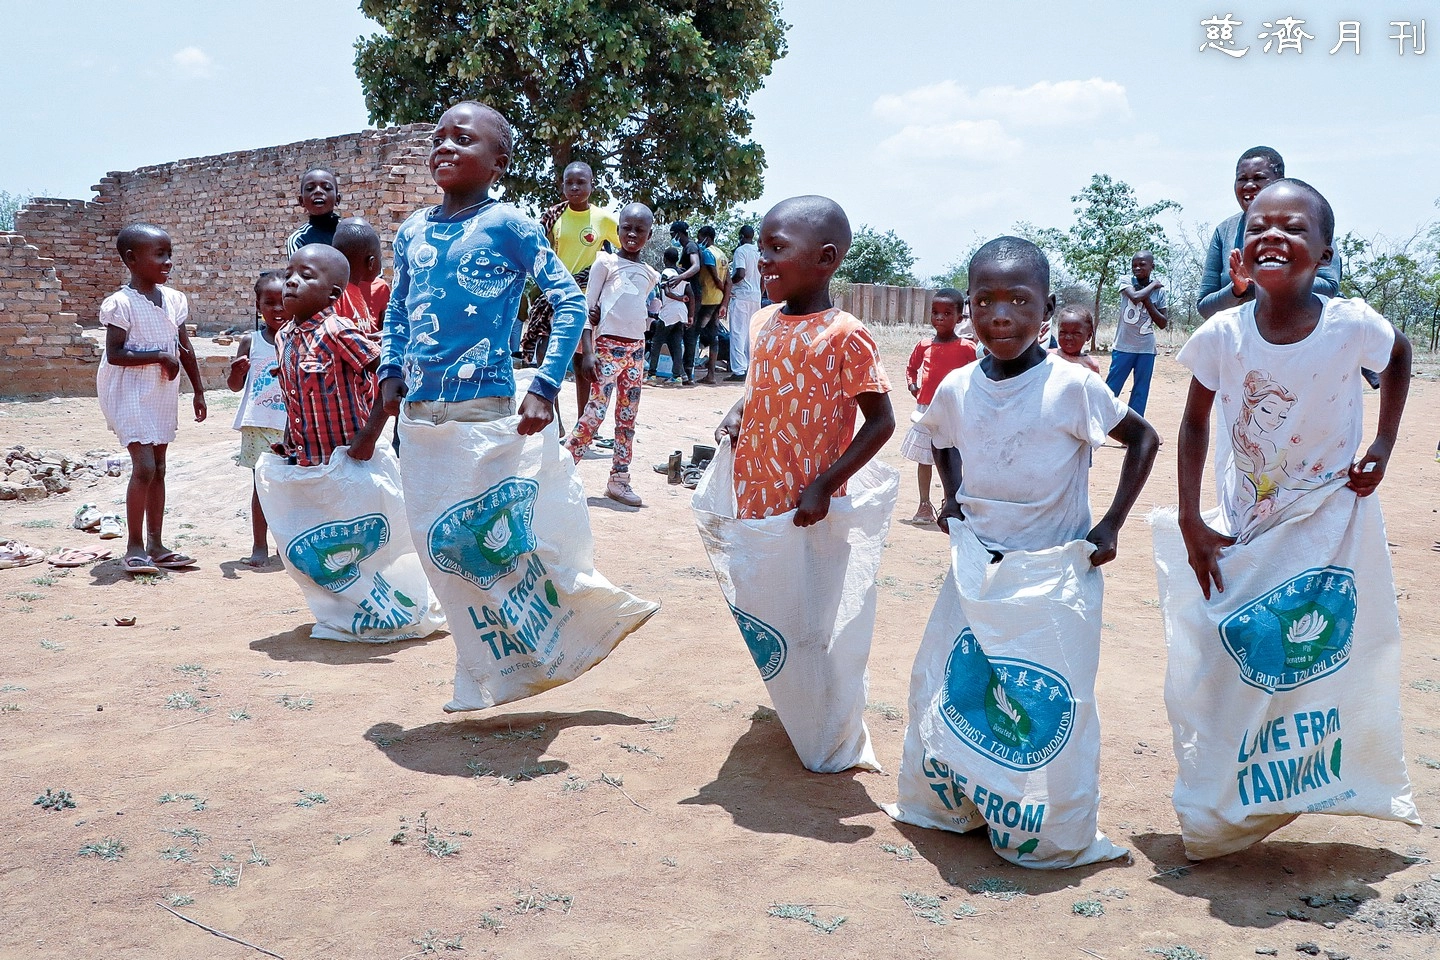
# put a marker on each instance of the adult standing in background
(1257, 168)
(689, 272)
(744, 301)
(714, 299)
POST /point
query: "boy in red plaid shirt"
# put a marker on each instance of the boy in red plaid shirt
(327, 364)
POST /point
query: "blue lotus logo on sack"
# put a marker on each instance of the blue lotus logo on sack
(482, 539)
(331, 553)
(767, 647)
(1298, 632)
(1015, 712)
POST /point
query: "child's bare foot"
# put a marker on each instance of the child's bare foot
(259, 557)
(925, 515)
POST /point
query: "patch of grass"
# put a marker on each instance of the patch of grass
(887, 710)
(238, 713)
(12, 688)
(924, 907)
(311, 798)
(38, 524)
(44, 580)
(573, 784)
(256, 857)
(193, 670)
(1430, 762)
(29, 609)
(149, 579)
(1426, 686)
(50, 645)
(513, 736)
(55, 800)
(432, 941)
(9, 708)
(640, 750)
(805, 914)
(432, 838)
(1177, 952)
(179, 899)
(177, 854)
(764, 715)
(491, 922)
(724, 706)
(107, 849)
(292, 702)
(996, 888)
(904, 854)
(197, 802)
(536, 900)
(670, 861)
(28, 596)
(661, 724)
(1087, 908)
(964, 911)
(224, 877)
(187, 833)
(184, 700)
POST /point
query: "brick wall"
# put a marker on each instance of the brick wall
(42, 348)
(228, 216)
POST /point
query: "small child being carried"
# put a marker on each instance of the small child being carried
(261, 416)
(1074, 326)
(930, 362)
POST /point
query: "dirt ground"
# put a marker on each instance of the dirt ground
(299, 794)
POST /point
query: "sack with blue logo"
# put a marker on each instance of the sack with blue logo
(345, 540)
(504, 535)
(1284, 689)
(804, 600)
(1003, 731)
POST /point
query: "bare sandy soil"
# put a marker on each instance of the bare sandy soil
(647, 810)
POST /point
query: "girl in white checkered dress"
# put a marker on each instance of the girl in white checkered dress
(145, 347)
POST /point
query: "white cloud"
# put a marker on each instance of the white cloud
(1042, 104)
(193, 62)
(976, 141)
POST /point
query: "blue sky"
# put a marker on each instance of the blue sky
(944, 121)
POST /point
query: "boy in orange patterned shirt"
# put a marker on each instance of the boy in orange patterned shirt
(812, 368)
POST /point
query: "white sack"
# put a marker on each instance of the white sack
(1284, 690)
(504, 534)
(1003, 728)
(345, 540)
(804, 599)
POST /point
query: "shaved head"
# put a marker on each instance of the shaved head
(818, 218)
(328, 261)
(355, 237)
(1019, 250)
(636, 209)
(138, 234)
(490, 116)
(580, 166)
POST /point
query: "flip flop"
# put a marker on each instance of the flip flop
(136, 566)
(110, 526)
(170, 560)
(78, 557)
(16, 553)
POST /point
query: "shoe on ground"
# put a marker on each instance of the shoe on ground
(924, 515)
(618, 489)
(735, 378)
(110, 526)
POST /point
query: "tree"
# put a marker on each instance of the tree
(11, 204)
(1110, 227)
(651, 93)
(877, 257)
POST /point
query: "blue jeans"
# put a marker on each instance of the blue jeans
(1121, 364)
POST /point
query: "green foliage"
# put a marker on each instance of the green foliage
(11, 204)
(1110, 227)
(877, 257)
(651, 94)
(1400, 279)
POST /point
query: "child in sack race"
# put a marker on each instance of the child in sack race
(1002, 692)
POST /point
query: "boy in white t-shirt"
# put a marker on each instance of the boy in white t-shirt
(744, 301)
(1286, 368)
(1013, 433)
(613, 345)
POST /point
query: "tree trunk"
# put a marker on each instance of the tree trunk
(1095, 327)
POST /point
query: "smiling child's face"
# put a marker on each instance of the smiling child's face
(1252, 176)
(319, 193)
(1008, 303)
(1142, 267)
(1073, 334)
(149, 260)
(793, 260)
(467, 151)
(1284, 246)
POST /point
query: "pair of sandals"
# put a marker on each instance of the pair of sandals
(140, 565)
(78, 557)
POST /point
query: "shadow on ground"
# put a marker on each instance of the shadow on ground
(232, 569)
(765, 789)
(967, 860)
(296, 646)
(1275, 880)
(507, 746)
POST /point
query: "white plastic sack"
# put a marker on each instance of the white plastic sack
(504, 534)
(1284, 690)
(804, 599)
(345, 540)
(1003, 729)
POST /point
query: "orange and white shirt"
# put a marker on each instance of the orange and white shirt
(805, 374)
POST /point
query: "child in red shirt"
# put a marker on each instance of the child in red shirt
(366, 295)
(930, 362)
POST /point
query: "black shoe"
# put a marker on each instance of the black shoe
(735, 378)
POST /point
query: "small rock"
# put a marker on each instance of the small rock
(32, 492)
(1300, 915)
(1315, 900)
(1267, 951)
(1329, 924)
(20, 477)
(1400, 897)
(56, 484)
(1337, 955)
(1307, 947)
(99, 707)
(8, 490)
(1138, 750)
(1144, 744)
